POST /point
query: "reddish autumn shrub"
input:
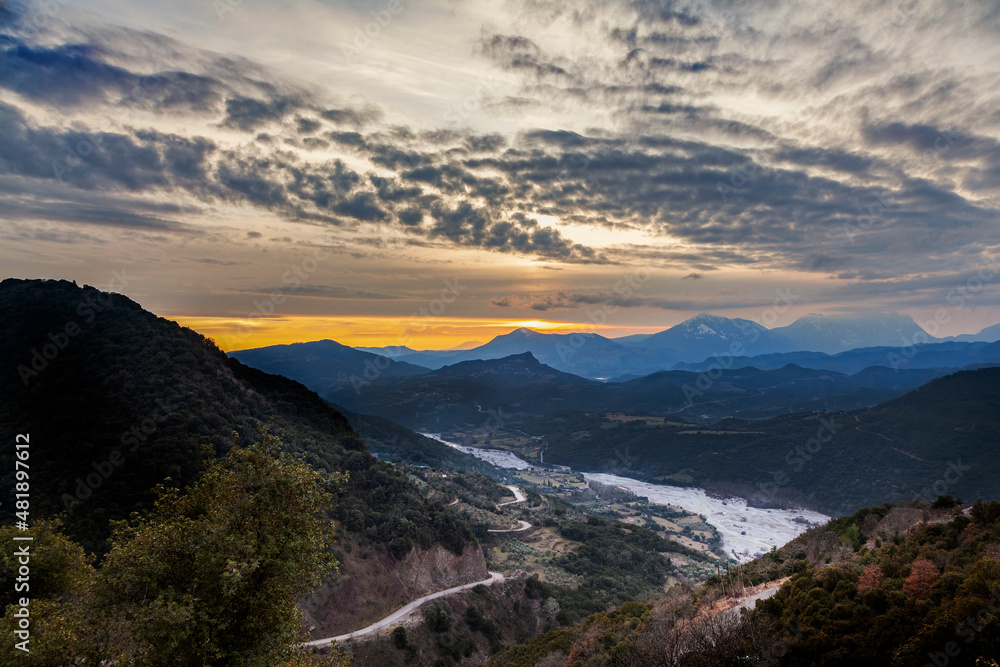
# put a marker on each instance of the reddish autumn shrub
(923, 574)
(870, 579)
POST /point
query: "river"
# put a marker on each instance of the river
(498, 457)
(747, 532)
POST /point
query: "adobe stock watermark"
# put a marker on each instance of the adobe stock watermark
(739, 176)
(958, 298)
(779, 650)
(968, 629)
(876, 210)
(628, 287)
(797, 457)
(952, 475)
(417, 322)
(296, 275)
(366, 34)
(726, 360)
(223, 7)
(105, 468)
(35, 16)
(463, 110)
(87, 310)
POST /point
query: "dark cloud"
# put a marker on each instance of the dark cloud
(362, 206)
(410, 216)
(65, 75)
(519, 53)
(346, 138)
(354, 117)
(252, 179)
(841, 160)
(692, 276)
(486, 143)
(731, 186)
(183, 91)
(248, 113)
(73, 212)
(307, 125)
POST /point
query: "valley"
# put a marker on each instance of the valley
(542, 503)
(746, 532)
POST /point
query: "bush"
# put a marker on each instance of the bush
(438, 617)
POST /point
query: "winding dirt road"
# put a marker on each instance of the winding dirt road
(522, 526)
(519, 496)
(402, 612)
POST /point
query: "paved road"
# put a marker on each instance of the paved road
(524, 525)
(519, 496)
(750, 601)
(403, 612)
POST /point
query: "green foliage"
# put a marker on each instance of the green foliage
(899, 603)
(615, 565)
(209, 576)
(438, 616)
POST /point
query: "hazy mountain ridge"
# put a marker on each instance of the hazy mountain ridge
(324, 363)
(932, 355)
(486, 394)
(698, 341)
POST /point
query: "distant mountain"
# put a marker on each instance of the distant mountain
(952, 355)
(631, 340)
(390, 351)
(707, 335)
(471, 394)
(325, 365)
(701, 338)
(989, 335)
(481, 394)
(820, 333)
(585, 354)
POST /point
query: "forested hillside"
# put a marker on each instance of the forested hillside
(903, 586)
(130, 400)
(940, 438)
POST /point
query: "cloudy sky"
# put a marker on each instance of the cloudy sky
(269, 171)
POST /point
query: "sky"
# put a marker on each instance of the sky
(439, 172)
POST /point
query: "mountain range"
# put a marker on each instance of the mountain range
(696, 340)
(473, 395)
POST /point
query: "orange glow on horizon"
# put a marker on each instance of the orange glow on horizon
(233, 333)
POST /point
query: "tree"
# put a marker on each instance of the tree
(870, 579)
(922, 576)
(438, 616)
(209, 576)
